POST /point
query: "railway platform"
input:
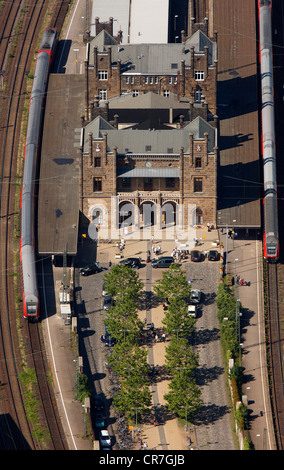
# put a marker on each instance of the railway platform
(245, 260)
(62, 362)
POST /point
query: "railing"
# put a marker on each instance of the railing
(149, 194)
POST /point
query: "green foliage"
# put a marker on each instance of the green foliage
(176, 319)
(129, 360)
(183, 397)
(226, 312)
(123, 280)
(129, 399)
(179, 358)
(84, 389)
(241, 415)
(173, 284)
(122, 320)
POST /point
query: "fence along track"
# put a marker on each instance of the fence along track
(276, 366)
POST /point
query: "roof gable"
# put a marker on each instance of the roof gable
(102, 40)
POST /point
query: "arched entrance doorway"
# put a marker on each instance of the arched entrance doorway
(126, 216)
(148, 214)
(169, 214)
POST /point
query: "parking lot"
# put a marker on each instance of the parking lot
(203, 275)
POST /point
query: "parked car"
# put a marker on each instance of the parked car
(195, 296)
(163, 262)
(99, 420)
(108, 302)
(108, 340)
(133, 262)
(195, 255)
(99, 404)
(104, 291)
(191, 311)
(213, 255)
(91, 269)
(105, 440)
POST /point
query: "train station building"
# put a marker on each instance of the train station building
(150, 130)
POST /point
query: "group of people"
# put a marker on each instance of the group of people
(157, 251)
(178, 254)
(121, 245)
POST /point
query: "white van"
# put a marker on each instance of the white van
(191, 311)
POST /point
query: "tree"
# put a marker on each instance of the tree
(173, 284)
(122, 320)
(183, 397)
(176, 317)
(129, 359)
(122, 280)
(179, 358)
(128, 400)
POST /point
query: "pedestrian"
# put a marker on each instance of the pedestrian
(152, 327)
(205, 253)
(208, 227)
(156, 338)
(163, 337)
(145, 445)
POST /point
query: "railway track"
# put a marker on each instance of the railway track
(45, 391)
(276, 356)
(23, 22)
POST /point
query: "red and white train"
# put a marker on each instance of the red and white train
(33, 138)
(270, 209)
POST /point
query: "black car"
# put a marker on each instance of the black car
(163, 262)
(108, 340)
(99, 404)
(213, 255)
(92, 269)
(195, 255)
(133, 262)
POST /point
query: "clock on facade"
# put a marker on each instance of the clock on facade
(148, 164)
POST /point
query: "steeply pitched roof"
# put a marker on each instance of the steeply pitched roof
(150, 141)
(199, 41)
(102, 40)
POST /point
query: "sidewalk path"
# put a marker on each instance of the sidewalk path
(245, 260)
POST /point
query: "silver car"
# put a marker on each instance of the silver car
(104, 291)
(108, 302)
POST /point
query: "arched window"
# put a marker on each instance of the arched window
(199, 216)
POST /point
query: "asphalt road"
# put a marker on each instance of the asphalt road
(213, 425)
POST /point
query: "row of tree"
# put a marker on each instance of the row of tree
(183, 397)
(128, 358)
